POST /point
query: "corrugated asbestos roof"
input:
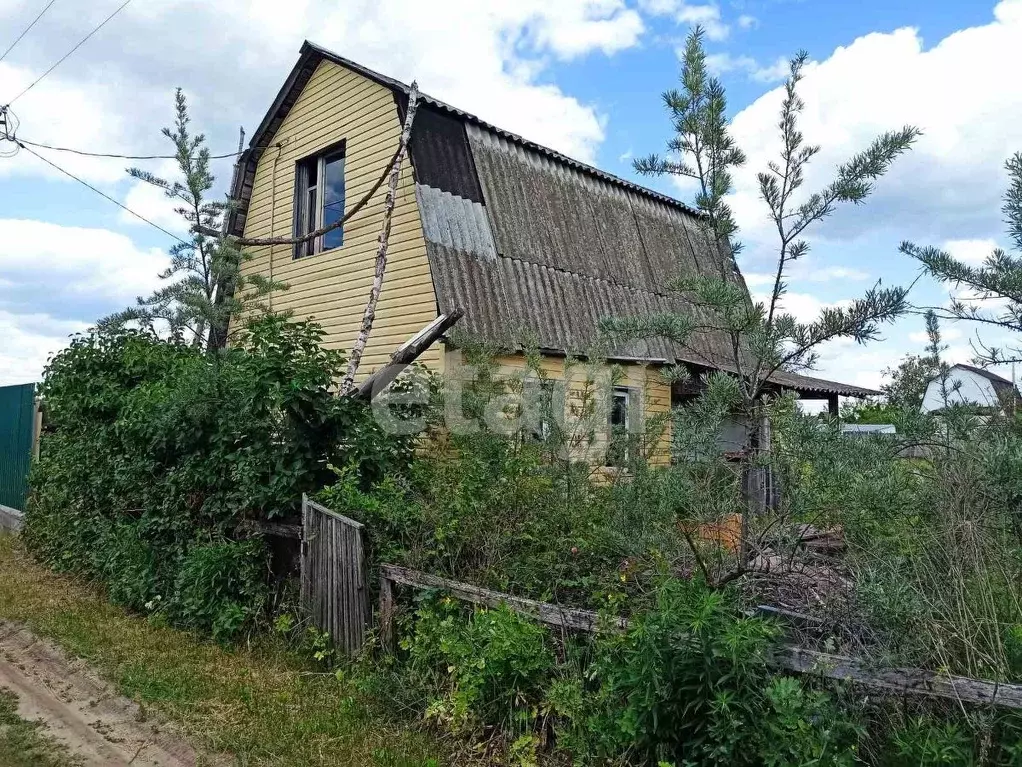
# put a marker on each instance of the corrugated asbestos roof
(530, 242)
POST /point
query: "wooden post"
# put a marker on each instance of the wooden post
(387, 610)
(832, 405)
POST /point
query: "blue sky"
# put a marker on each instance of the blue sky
(583, 76)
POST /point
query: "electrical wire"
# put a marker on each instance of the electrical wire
(124, 207)
(29, 27)
(114, 156)
(61, 60)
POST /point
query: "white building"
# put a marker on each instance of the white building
(970, 385)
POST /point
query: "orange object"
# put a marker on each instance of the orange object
(726, 533)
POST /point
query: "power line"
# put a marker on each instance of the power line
(84, 153)
(80, 43)
(103, 194)
(29, 27)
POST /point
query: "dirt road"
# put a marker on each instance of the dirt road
(79, 710)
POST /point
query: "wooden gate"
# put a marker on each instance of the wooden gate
(335, 594)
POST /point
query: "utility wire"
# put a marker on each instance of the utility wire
(85, 153)
(104, 195)
(29, 27)
(61, 60)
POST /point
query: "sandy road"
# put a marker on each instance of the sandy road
(78, 709)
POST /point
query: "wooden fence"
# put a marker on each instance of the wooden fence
(334, 591)
(904, 681)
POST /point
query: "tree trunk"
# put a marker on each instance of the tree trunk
(368, 317)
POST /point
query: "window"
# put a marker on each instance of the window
(619, 426)
(319, 201)
(539, 409)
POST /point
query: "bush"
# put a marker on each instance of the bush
(154, 452)
(490, 667)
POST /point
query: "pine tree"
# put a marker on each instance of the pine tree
(997, 281)
(193, 306)
(908, 381)
(761, 338)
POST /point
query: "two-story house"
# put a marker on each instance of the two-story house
(519, 236)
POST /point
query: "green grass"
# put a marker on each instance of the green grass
(26, 744)
(262, 703)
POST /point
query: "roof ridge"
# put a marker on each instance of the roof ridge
(397, 85)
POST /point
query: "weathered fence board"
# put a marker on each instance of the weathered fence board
(905, 681)
(334, 590)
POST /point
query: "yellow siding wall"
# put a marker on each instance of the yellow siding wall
(332, 287)
(654, 395)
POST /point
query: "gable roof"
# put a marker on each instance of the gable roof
(1001, 385)
(529, 241)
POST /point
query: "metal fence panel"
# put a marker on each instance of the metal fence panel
(17, 429)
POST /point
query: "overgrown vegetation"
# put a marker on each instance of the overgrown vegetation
(156, 452)
(159, 448)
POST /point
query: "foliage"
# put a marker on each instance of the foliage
(491, 668)
(155, 452)
(205, 285)
(999, 277)
(760, 337)
(907, 383)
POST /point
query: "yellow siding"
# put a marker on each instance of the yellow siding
(653, 391)
(332, 287)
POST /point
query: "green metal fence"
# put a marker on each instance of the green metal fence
(17, 431)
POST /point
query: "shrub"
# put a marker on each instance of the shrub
(154, 451)
(491, 667)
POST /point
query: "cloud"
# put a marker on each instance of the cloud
(972, 252)
(29, 340)
(745, 21)
(707, 15)
(491, 58)
(722, 63)
(949, 186)
(59, 264)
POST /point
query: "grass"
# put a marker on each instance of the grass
(26, 744)
(262, 703)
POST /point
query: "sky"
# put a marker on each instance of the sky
(581, 76)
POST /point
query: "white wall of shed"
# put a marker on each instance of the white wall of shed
(963, 387)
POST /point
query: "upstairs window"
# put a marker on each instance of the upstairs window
(319, 201)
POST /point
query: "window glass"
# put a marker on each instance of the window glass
(617, 442)
(319, 202)
(333, 199)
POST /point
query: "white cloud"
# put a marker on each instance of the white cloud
(706, 15)
(946, 334)
(949, 186)
(29, 340)
(722, 63)
(972, 252)
(491, 58)
(745, 21)
(74, 262)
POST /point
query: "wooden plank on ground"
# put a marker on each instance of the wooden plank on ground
(800, 660)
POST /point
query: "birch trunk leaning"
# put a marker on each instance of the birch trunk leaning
(369, 315)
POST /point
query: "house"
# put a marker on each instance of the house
(969, 385)
(524, 239)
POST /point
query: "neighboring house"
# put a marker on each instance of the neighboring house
(968, 385)
(522, 238)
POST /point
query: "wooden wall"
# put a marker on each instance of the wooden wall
(332, 287)
(645, 380)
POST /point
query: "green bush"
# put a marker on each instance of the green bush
(153, 453)
(491, 667)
